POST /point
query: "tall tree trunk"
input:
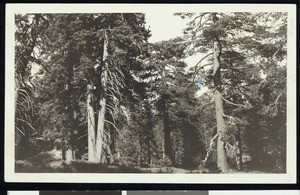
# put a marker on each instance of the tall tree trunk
(149, 161)
(100, 127)
(239, 150)
(91, 125)
(163, 148)
(167, 142)
(102, 101)
(149, 137)
(221, 153)
(140, 161)
(96, 118)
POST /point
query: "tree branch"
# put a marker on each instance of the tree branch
(115, 127)
(82, 136)
(239, 105)
(20, 131)
(212, 141)
(28, 124)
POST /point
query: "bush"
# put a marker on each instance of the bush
(165, 162)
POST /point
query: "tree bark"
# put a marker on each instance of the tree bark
(221, 153)
(91, 125)
(149, 133)
(239, 150)
(149, 161)
(102, 101)
(101, 116)
(167, 142)
(96, 118)
(163, 148)
(69, 156)
(140, 158)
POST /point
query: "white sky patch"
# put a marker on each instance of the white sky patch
(164, 26)
(262, 74)
(202, 91)
(35, 68)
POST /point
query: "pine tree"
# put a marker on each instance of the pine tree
(105, 50)
(240, 48)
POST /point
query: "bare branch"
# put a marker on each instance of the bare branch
(275, 102)
(82, 136)
(114, 127)
(27, 124)
(212, 141)
(20, 131)
(239, 105)
(206, 104)
(197, 70)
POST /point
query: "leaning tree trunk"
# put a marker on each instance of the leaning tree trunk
(91, 125)
(96, 117)
(102, 102)
(221, 153)
(101, 118)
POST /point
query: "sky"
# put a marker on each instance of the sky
(163, 26)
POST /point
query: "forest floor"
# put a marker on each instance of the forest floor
(48, 162)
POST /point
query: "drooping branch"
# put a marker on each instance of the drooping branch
(27, 124)
(82, 136)
(274, 104)
(239, 105)
(211, 145)
(232, 119)
(114, 127)
(202, 106)
(199, 62)
(20, 130)
(201, 67)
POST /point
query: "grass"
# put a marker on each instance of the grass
(49, 162)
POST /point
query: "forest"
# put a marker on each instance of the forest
(93, 95)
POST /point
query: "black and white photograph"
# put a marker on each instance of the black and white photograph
(151, 93)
